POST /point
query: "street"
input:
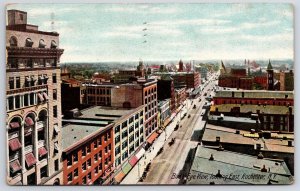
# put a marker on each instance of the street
(172, 159)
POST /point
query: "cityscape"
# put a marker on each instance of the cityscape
(74, 119)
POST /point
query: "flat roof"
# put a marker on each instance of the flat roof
(245, 108)
(233, 119)
(107, 113)
(74, 133)
(228, 135)
(255, 94)
(235, 168)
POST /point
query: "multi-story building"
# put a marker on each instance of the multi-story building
(98, 93)
(164, 111)
(274, 109)
(202, 70)
(287, 80)
(87, 152)
(140, 92)
(180, 97)
(165, 90)
(125, 126)
(33, 103)
(183, 79)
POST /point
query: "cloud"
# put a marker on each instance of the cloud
(142, 9)
(263, 23)
(181, 22)
(218, 30)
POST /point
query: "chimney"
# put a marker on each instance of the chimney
(260, 156)
(258, 146)
(211, 157)
(264, 169)
(290, 143)
(237, 132)
(218, 139)
(219, 174)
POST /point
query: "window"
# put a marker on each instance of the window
(95, 158)
(84, 180)
(124, 144)
(95, 144)
(18, 82)
(42, 44)
(131, 138)
(53, 78)
(76, 172)
(13, 41)
(88, 149)
(131, 120)
(75, 157)
(10, 103)
(117, 150)
(124, 124)
(131, 149)
(12, 63)
(43, 171)
(70, 177)
(136, 116)
(56, 165)
(55, 94)
(69, 160)
(55, 111)
(11, 83)
(89, 163)
(83, 166)
(117, 139)
(17, 102)
(117, 129)
(83, 152)
(124, 134)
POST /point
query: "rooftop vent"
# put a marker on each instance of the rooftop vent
(75, 137)
(212, 183)
(260, 156)
(290, 143)
(237, 132)
(211, 157)
(219, 174)
(220, 148)
(218, 139)
(264, 169)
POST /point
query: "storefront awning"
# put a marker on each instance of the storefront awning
(14, 144)
(140, 153)
(152, 137)
(15, 166)
(119, 177)
(14, 125)
(133, 160)
(29, 121)
(30, 159)
(126, 168)
(42, 151)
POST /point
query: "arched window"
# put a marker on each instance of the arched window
(42, 44)
(13, 41)
(28, 42)
(53, 44)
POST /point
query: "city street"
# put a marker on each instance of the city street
(172, 159)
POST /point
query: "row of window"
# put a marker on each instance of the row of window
(15, 63)
(98, 91)
(150, 91)
(30, 81)
(13, 42)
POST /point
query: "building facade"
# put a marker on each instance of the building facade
(287, 80)
(33, 103)
(98, 93)
(88, 155)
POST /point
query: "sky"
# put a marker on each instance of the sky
(129, 32)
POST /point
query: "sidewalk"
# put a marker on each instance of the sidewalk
(136, 172)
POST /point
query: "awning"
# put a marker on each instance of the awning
(119, 177)
(29, 121)
(56, 129)
(42, 151)
(126, 168)
(45, 96)
(133, 160)
(42, 44)
(140, 153)
(14, 144)
(40, 97)
(15, 166)
(14, 125)
(29, 42)
(53, 44)
(30, 159)
(152, 138)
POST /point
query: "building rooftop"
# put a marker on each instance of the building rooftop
(246, 108)
(255, 94)
(228, 135)
(106, 114)
(72, 134)
(236, 168)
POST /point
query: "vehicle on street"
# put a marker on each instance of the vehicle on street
(194, 107)
(172, 142)
(189, 115)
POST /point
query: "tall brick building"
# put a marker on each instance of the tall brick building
(33, 103)
(287, 80)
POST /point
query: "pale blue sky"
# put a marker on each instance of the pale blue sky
(114, 32)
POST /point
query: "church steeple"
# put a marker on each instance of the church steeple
(269, 66)
(270, 76)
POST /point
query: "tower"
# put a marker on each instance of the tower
(180, 66)
(270, 82)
